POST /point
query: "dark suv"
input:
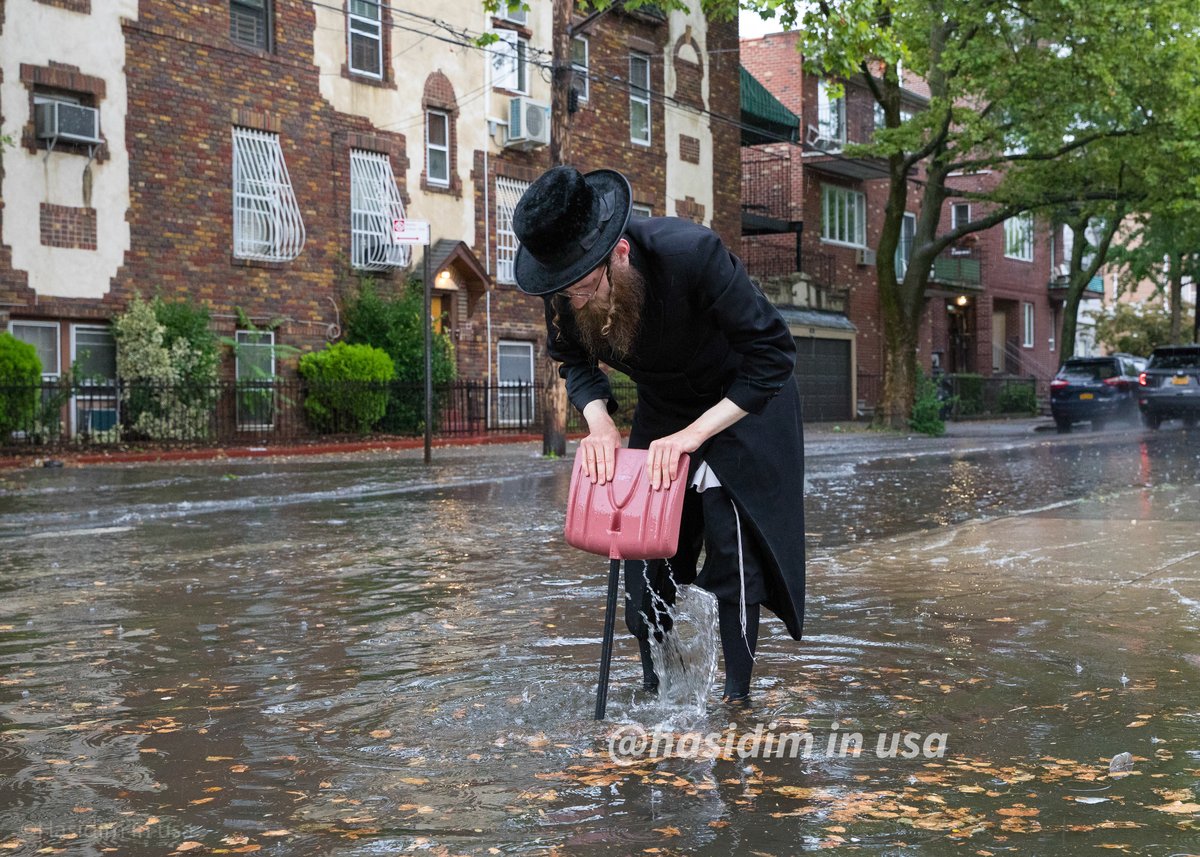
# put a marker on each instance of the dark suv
(1170, 386)
(1095, 390)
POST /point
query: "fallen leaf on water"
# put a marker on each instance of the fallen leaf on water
(381, 733)
(189, 845)
(11, 845)
(1002, 619)
(667, 831)
(1175, 794)
(247, 849)
(1020, 810)
(239, 769)
(199, 801)
(1178, 807)
(276, 833)
(235, 840)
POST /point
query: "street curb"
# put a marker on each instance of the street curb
(248, 452)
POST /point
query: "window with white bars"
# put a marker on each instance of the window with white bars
(375, 205)
(508, 194)
(249, 22)
(364, 29)
(831, 114)
(266, 219)
(639, 99)
(1018, 237)
(1027, 338)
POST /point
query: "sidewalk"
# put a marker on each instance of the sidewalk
(855, 440)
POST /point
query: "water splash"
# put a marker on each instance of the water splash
(686, 659)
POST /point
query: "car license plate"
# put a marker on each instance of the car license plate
(1085, 396)
(1181, 380)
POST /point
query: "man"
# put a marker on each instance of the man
(662, 300)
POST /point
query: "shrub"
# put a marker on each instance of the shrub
(393, 325)
(168, 378)
(969, 392)
(1017, 398)
(20, 381)
(926, 410)
(347, 386)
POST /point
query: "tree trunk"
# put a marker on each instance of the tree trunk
(554, 390)
(1175, 275)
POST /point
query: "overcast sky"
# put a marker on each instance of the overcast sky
(751, 26)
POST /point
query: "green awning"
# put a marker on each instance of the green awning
(764, 118)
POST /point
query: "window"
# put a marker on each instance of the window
(266, 219)
(375, 206)
(843, 216)
(94, 353)
(365, 31)
(437, 148)
(43, 336)
(508, 194)
(908, 232)
(515, 13)
(960, 213)
(1027, 339)
(831, 114)
(249, 22)
(640, 210)
(639, 99)
(514, 399)
(579, 66)
(510, 68)
(95, 404)
(255, 371)
(1018, 237)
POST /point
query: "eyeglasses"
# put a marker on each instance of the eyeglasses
(578, 299)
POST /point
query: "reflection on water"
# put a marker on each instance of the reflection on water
(369, 655)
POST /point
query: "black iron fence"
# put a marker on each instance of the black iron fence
(969, 395)
(262, 412)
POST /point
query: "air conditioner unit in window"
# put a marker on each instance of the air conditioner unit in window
(528, 124)
(73, 123)
(866, 256)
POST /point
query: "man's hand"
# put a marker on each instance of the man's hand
(662, 459)
(601, 445)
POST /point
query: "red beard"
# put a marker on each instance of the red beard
(614, 321)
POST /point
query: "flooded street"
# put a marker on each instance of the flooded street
(367, 656)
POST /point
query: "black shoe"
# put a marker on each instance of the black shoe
(739, 701)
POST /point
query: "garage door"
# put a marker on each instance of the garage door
(823, 370)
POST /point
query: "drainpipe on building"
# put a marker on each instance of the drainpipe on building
(487, 263)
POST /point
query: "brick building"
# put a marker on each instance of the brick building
(253, 156)
(991, 304)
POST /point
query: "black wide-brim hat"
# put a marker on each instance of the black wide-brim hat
(568, 224)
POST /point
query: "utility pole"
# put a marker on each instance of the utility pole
(554, 389)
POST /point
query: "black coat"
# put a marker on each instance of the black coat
(708, 333)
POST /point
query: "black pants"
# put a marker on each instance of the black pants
(651, 586)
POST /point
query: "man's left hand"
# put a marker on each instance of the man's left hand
(662, 459)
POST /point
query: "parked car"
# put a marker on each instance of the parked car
(1170, 386)
(1096, 390)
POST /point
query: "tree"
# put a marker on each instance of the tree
(1015, 88)
(1162, 248)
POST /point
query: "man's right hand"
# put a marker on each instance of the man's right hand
(601, 445)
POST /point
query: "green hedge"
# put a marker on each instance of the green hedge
(332, 404)
(1017, 398)
(20, 376)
